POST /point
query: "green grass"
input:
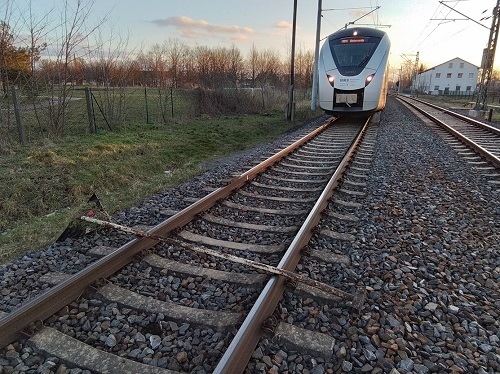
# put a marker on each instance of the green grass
(45, 185)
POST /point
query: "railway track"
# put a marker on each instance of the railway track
(483, 139)
(164, 302)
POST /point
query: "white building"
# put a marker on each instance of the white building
(455, 76)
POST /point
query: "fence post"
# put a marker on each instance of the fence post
(172, 100)
(17, 112)
(90, 110)
(147, 109)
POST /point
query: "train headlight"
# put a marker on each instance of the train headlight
(369, 79)
(331, 79)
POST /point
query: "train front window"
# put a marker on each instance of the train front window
(353, 53)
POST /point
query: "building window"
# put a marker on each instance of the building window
(460, 75)
(448, 75)
(457, 88)
(436, 88)
(469, 88)
(450, 65)
(438, 75)
(461, 65)
(471, 75)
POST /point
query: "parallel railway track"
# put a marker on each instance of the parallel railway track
(170, 294)
(480, 137)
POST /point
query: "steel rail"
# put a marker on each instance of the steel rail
(476, 147)
(240, 350)
(459, 116)
(43, 306)
(227, 256)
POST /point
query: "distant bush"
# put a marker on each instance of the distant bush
(234, 101)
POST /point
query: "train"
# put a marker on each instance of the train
(353, 71)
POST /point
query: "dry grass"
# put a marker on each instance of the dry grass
(45, 185)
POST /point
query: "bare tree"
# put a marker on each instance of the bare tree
(236, 67)
(252, 62)
(202, 57)
(269, 72)
(158, 65)
(304, 64)
(72, 38)
(407, 74)
(177, 54)
(108, 63)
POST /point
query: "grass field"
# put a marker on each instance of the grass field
(46, 184)
(112, 108)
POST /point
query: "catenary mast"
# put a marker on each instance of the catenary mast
(487, 60)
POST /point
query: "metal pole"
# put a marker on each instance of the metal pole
(90, 110)
(290, 108)
(172, 100)
(17, 113)
(488, 59)
(314, 95)
(146, 100)
(399, 85)
(416, 74)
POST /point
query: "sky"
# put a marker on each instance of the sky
(428, 27)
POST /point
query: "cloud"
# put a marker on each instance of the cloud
(190, 27)
(283, 25)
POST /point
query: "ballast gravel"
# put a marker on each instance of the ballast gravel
(20, 279)
(426, 248)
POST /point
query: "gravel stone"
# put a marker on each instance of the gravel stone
(346, 366)
(406, 365)
(425, 247)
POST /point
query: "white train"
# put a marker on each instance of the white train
(353, 71)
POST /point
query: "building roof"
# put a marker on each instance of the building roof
(446, 62)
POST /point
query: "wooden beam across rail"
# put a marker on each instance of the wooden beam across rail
(356, 299)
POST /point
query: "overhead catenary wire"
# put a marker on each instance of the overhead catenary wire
(432, 31)
(373, 13)
(421, 44)
(425, 28)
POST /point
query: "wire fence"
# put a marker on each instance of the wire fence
(69, 110)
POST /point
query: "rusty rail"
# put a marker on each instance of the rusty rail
(468, 142)
(242, 346)
(226, 256)
(472, 121)
(48, 303)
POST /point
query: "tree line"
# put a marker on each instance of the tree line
(79, 55)
(47, 63)
(175, 64)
